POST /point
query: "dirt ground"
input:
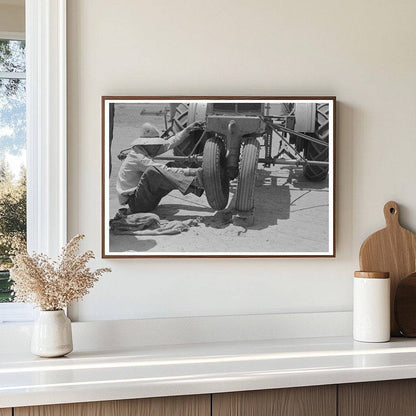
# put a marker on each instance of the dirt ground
(291, 213)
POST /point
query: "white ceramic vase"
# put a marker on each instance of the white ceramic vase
(52, 334)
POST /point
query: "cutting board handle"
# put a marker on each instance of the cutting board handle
(391, 213)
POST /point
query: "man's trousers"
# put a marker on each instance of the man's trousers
(156, 183)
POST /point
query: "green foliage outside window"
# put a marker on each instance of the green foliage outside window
(12, 224)
(12, 145)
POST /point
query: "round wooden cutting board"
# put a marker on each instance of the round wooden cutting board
(393, 250)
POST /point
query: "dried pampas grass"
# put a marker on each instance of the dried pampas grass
(53, 285)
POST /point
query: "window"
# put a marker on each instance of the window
(45, 89)
(12, 154)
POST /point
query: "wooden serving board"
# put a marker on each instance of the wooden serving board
(393, 250)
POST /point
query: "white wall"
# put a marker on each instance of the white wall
(361, 51)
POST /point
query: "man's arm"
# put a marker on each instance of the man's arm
(144, 162)
(178, 138)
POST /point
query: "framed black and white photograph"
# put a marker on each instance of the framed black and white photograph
(218, 177)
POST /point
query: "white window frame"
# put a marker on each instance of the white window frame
(14, 312)
(46, 126)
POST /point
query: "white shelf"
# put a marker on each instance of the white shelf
(150, 371)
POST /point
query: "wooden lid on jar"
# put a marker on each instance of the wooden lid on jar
(372, 275)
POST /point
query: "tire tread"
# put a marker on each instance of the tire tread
(216, 188)
(314, 151)
(247, 175)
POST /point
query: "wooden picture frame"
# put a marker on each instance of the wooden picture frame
(265, 164)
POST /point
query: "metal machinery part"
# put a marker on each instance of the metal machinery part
(316, 151)
(234, 128)
(234, 121)
(236, 125)
(183, 115)
(228, 147)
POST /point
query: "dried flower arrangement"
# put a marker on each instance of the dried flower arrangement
(53, 285)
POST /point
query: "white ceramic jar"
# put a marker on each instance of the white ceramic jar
(52, 334)
(371, 305)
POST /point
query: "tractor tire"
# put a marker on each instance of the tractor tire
(179, 121)
(249, 159)
(315, 151)
(216, 182)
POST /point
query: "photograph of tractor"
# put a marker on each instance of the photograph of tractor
(228, 147)
(240, 175)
